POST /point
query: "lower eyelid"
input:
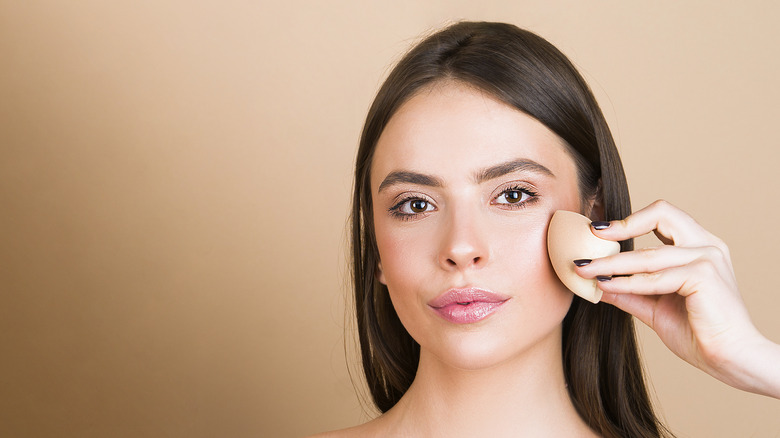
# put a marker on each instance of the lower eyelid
(518, 206)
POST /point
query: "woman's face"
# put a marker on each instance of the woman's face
(463, 188)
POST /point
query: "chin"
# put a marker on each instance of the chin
(473, 355)
(474, 351)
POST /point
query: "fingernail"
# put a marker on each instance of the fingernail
(603, 278)
(599, 225)
(582, 262)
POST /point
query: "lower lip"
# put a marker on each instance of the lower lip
(467, 313)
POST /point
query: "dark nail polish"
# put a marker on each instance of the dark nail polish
(603, 278)
(599, 225)
(582, 262)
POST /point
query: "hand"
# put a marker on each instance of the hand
(685, 290)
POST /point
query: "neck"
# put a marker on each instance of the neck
(524, 395)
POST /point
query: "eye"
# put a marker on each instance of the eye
(512, 196)
(415, 206)
(418, 205)
(411, 207)
(515, 196)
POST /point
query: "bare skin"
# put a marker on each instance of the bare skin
(503, 376)
(685, 290)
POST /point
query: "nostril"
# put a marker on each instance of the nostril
(474, 261)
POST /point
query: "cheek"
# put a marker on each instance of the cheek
(406, 270)
(400, 253)
(526, 255)
(523, 257)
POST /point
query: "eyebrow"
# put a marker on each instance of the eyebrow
(487, 174)
(521, 165)
(399, 177)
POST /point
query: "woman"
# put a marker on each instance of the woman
(479, 134)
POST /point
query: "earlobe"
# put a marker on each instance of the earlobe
(595, 210)
(380, 274)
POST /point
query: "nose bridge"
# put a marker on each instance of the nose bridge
(464, 243)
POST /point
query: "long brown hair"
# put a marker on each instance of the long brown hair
(601, 363)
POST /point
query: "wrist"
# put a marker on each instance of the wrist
(757, 368)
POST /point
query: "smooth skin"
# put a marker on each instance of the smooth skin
(484, 180)
(460, 226)
(686, 291)
(501, 376)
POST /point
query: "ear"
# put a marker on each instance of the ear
(380, 274)
(594, 209)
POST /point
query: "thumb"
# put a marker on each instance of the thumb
(640, 306)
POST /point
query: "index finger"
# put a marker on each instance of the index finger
(672, 226)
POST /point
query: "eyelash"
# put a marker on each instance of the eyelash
(395, 210)
(533, 196)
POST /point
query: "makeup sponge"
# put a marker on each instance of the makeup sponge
(569, 238)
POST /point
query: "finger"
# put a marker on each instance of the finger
(683, 280)
(670, 224)
(640, 306)
(650, 260)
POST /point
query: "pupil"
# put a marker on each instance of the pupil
(513, 196)
(419, 206)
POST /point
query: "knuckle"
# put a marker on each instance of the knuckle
(663, 205)
(647, 256)
(718, 251)
(651, 282)
(659, 202)
(712, 251)
(653, 277)
(704, 268)
(721, 245)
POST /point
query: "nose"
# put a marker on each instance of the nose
(464, 245)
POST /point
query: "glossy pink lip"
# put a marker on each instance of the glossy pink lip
(467, 305)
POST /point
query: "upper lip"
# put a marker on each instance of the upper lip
(467, 295)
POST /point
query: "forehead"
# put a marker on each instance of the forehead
(450, 129)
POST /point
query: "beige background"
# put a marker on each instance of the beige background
(175, 177)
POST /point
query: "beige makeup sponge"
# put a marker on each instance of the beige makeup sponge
(569, 238)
